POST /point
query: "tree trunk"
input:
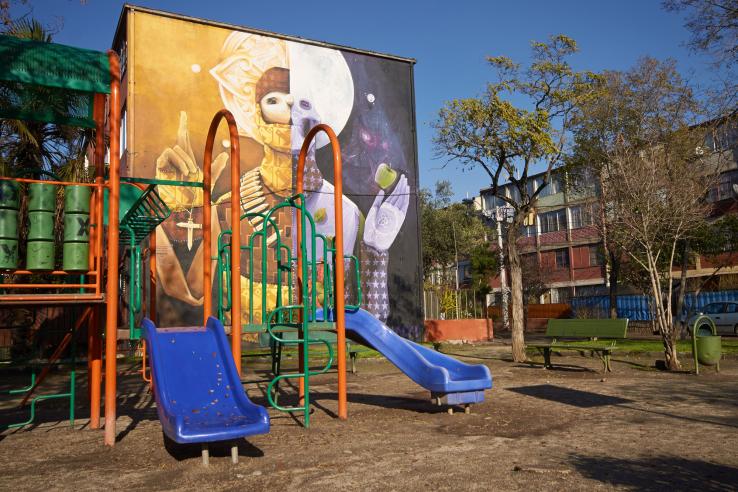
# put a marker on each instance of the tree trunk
(670, 351)
(517, 325)
(614, 274)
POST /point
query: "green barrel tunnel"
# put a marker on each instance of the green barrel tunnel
(40, 250)
(76, 247)
(9, 205)
(41, 197)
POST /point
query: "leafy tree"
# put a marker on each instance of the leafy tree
(32, 145)
(448, 230)
(492, 133)
(485, 266)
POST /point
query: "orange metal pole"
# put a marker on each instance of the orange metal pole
(60, 183)
(94, 337)
(46, 286)
(235, 228)
(339, 284)
(90, 273)
(111, 320)
(152, 277)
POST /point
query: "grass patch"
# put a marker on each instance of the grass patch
(628, 346)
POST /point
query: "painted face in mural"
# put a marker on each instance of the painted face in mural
(276, 107)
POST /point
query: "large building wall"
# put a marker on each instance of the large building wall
(180, 71)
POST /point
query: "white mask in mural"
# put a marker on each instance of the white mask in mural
(276, 107)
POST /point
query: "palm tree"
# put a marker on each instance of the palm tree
(31, 146)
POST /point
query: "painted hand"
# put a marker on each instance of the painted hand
(386, 217)
(178, 163)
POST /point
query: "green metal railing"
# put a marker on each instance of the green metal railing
(306, 341)
(70, 394)
(318, 255)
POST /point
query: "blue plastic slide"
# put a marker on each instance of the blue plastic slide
(199, 396)
(453, 381)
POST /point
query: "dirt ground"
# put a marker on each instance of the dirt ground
(562, 429)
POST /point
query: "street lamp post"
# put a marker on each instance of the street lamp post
(456, 270)
(500, 215)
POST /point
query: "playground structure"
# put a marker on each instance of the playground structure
(131, 209)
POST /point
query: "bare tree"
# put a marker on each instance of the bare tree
(642, 132)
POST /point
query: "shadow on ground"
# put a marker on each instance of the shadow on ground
(657, 473)
(568, 396)
(219, 449)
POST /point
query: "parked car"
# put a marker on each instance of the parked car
(724, 314)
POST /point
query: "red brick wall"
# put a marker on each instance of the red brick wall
(466, 330)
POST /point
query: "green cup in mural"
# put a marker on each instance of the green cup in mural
(42, 197)
(41, 226)
(76, 227)
(77, 199)
(8, 254)
(75, 258)
(40, 255)
(8, 223)
(9, 195)
(385, 176)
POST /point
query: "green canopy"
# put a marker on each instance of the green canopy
(50, 82)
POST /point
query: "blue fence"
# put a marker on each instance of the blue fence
(636, 308)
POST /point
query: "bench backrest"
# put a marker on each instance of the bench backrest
(589, 328)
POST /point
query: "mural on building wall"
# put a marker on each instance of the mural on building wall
(277, 90)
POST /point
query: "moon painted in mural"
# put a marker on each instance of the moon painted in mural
(322, 76)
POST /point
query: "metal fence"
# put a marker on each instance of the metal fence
(638, 308)
(453, 304)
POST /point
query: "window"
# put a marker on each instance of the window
(562, 258)
(532, 185)
(553, 187)
(715, 308)
(512, 193)
(123, 134)
(528, 231)
(581, 215)
(724, 189)
(731, 307)
(553, 221)
(595, 256)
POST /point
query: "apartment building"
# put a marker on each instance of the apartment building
(563, 248)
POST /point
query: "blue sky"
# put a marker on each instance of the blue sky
(449, 40)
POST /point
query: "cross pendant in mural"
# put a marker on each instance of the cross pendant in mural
(190, 226)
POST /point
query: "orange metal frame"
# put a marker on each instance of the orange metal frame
(339, 287)
(94, 290)
(235, 226)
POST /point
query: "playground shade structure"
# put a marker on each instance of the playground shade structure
(199, 396)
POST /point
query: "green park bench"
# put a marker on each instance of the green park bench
(584, 335)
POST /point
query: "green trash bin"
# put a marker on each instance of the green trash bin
(709, 350)
(707, 346)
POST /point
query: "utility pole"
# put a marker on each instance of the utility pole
(503, 276)
(456, 269)
(499, 215)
